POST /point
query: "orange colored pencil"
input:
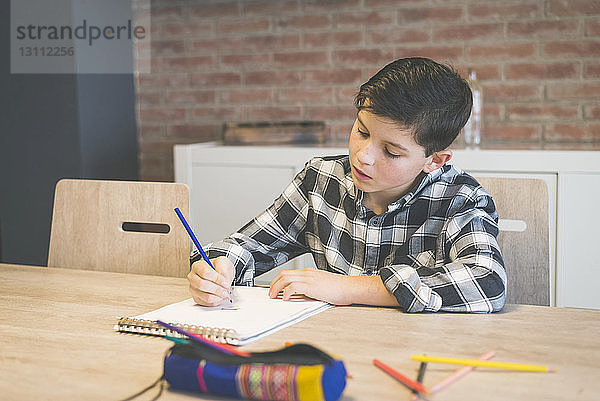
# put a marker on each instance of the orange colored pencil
(411, 384)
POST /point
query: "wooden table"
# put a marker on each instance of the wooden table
(58, 342)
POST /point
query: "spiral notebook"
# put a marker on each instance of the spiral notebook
(251, 316)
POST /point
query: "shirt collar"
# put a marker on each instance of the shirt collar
(426, 179)
(360, 208)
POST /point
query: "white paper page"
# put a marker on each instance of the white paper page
(253, 312)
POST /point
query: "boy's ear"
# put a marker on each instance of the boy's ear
(438, 159)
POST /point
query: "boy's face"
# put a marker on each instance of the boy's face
(385, 158)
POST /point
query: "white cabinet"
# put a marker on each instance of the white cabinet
(229, 185)
(229, 196)
(578, 268)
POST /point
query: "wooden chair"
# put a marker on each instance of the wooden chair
(522, 205)
(120, 226)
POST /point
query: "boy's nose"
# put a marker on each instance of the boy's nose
(366, 155)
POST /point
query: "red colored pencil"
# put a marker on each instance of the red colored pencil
(411, 384)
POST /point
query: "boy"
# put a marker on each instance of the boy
(390, 224)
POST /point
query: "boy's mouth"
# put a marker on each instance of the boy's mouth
(360, 175)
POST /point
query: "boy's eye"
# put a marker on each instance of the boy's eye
(362, 133)
(390, 154)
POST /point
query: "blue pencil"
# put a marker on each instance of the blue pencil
(197, 243)
(193, 236)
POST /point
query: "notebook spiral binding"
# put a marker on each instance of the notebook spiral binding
(152, 328)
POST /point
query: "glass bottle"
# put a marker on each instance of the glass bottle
(473, 128)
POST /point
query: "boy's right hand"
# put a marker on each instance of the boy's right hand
(208, 286)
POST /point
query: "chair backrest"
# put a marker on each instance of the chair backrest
(522, 205)
(120, 226)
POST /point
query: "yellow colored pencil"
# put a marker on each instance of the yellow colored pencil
(483, 364)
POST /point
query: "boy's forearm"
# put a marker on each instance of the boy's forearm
(368, 290)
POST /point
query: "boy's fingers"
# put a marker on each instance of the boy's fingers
(225, 268)
(281, 281)
(288, 292)
(206, 272)
(209, 287)
(206, 292)
(201, 271)
(293, 291)
(206, 299)
(274, 288)
(276, 285)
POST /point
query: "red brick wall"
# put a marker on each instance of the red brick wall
(231, 61)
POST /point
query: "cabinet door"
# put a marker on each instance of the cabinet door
(225, 197)
(579, 270)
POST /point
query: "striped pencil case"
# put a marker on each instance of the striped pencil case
(299, 372)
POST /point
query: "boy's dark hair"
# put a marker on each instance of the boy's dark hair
(430, 98)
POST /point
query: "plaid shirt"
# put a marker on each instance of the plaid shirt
(435, 248)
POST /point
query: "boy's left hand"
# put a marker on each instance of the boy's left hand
(314, 283)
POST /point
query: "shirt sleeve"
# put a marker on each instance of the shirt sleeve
(270, 239)
(465, 273)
